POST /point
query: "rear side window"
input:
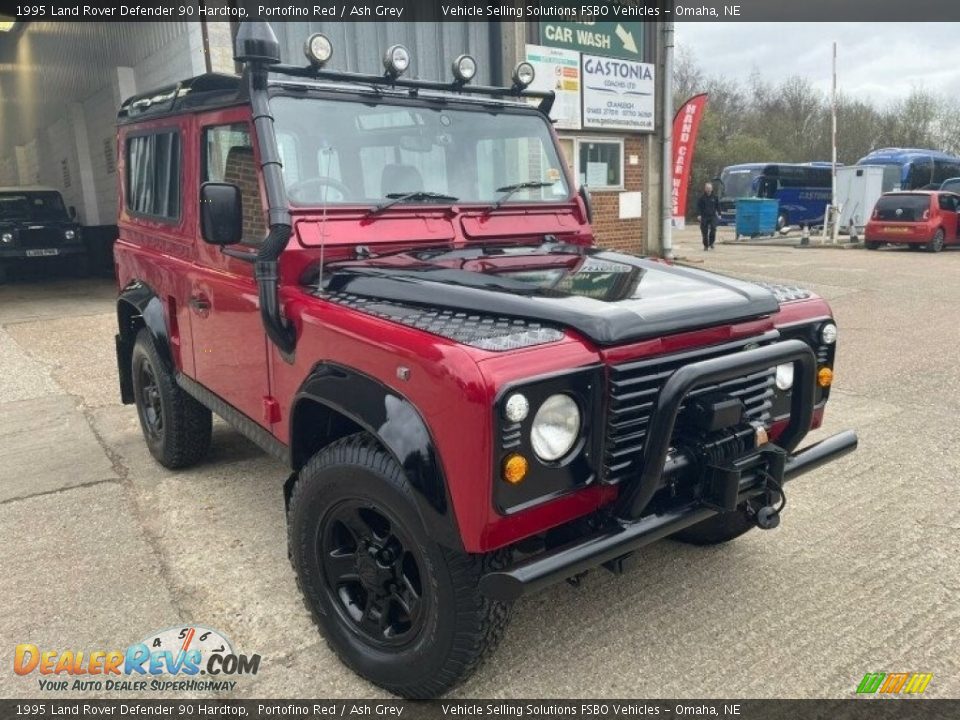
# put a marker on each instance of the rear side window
(948, 203)
(153, 175)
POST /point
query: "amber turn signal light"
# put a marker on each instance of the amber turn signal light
(515, 468)
(825, 377)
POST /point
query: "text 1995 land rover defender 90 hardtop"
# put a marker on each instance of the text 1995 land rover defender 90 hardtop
(398, 294)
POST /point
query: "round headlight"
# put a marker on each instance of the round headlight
(516, 408)
(8, 237)
(828, 333)
(396, 60)
(523, 74)
(785, 376)
(69, 234)
(318, 49)
(464, 68)
(556, 427)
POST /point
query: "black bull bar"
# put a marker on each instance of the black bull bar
(627, 530)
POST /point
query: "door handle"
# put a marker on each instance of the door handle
(199, 303)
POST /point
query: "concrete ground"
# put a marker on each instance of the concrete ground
(102, 546)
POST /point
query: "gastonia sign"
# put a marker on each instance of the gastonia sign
(608, 38)
(617, 94)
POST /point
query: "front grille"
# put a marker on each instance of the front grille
(634, 387)
(41, 237)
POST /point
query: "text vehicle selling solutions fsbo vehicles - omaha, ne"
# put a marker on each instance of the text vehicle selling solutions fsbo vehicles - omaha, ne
(392, 286)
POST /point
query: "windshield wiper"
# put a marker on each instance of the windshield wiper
(510, 190)
(405, 197)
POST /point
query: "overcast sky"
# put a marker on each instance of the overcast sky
(880, 61)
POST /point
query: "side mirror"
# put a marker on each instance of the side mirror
(587, 202)
(72, 212)
(221, 213)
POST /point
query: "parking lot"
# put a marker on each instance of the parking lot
(103, 546)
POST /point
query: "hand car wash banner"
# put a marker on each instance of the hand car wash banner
(686, 123)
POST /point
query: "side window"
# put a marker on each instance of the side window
(228, 158)
(153, 175)
(948, 203)
(601, 164)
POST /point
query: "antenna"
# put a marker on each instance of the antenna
(327, 152)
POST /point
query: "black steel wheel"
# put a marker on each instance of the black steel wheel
(175, 426)
(372, 570)
(396, 607)
(148, 399)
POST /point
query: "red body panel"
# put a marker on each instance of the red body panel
(453, 386)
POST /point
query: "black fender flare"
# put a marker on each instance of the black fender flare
(397, 424)
(139, 305)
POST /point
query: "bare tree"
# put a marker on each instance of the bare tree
(790, 121)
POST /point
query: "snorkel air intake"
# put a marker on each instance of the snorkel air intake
(257, 49)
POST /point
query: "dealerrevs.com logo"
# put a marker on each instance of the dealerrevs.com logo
(170, 660)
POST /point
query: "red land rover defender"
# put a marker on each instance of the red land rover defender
(391, 285)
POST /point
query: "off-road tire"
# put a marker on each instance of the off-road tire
(460, 626)
(719, 529)
(185, 435)
(936, 242)
(871, 245)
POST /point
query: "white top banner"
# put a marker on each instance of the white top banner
(618, 94)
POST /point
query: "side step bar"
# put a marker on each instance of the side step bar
(552, 567)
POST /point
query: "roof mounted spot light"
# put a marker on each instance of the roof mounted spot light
(464, 69)
(523, 75)
(318, 49)
(396, 60)
(256, 42)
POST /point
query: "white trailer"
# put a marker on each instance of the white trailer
(858, 189)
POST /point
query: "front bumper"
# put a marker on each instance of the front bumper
(720, 488)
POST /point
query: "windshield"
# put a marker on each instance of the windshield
(738, 182)
(340, 151)
(32, 207)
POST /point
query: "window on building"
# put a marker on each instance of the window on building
(228, 158)
(153, 174)
(595, 162)
(600, 163)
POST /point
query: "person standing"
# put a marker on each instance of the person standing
(708, 213)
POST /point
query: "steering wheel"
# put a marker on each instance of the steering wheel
(311, 190)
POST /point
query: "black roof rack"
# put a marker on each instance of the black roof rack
(213, 90)
(196, 93)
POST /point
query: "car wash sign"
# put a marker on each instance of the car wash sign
(617, 94)
(622, 40)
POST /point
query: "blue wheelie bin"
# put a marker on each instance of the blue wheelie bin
(756, 216)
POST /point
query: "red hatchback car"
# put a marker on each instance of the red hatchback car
(916, 219)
